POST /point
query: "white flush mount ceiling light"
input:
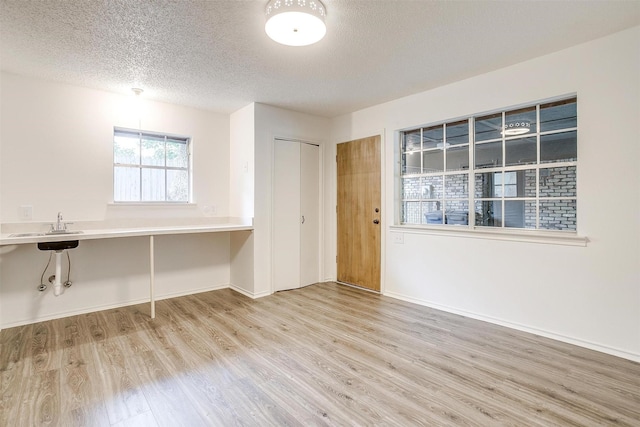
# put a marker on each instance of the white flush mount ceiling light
(518, 127)
(137, 91)
(295, 22)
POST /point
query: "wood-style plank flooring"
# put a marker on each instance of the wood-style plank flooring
(322, 355)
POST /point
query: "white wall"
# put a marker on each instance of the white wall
(56, 154)
(241, 162)
(586, 295)
(57, 148)
(241, 196)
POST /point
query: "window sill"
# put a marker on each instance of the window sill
(153, 204)
(550, 238)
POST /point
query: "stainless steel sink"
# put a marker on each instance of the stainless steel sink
(60, 232)
(26, 234)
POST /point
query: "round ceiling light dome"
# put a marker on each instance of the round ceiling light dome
(295, 22)
(516, 128)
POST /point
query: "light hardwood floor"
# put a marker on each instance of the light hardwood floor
(322, 355)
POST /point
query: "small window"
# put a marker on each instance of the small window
(150, 167)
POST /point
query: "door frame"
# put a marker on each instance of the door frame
(321, 216)
(383, 207)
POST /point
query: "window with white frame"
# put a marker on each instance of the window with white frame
(150, 167)
(516, 168)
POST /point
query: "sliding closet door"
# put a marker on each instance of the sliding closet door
(286, 215)
(296, 214)
(310, 214)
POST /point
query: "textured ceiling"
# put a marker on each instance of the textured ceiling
(215, 54)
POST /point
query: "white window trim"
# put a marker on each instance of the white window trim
(558, 237)
(189, 169)
(554, 237)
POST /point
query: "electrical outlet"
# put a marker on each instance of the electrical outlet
(25, 213)
(398, 238)
(210, 210)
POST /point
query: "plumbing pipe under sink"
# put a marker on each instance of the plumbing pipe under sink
(58, 248)
(57, 284)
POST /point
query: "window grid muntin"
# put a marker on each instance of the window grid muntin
(472, 170)
(139, 134)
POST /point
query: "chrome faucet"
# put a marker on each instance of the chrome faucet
(59, 226)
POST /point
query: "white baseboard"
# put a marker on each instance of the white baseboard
(192, 292)
(95, 308)
(558, 337)
(250, 294)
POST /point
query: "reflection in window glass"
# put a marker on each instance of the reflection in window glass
(558, 115)
(458, 158)
(489, 155)
(558, 182)
(558, 147)
(411, 163)
(514, 213)
(432, 213)
(521, 151)
(485, 184)
(488, 127)
(433, 136)
(456, 186)
(507, 184)
(528, 178)
(530, 214)
(411, 188)
(489, 213)
(518, 122)
(520, 183)
(432, 187)
(411, 141)
(411, 212)
(521, 179)
(432, 161)
(456, 212)
(558, 214)
(458, 133)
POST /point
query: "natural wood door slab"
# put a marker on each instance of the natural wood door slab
(358, 183)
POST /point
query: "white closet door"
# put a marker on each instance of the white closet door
(310, 214)
(287, 218)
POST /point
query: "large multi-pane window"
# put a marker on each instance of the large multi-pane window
(512, 169)
(150, 167)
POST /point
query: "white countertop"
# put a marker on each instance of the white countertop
(124, 232)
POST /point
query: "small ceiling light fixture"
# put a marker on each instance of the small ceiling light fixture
(295, 22)
(137, 91)
(517, 127)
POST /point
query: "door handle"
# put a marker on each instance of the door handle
(376, 221)
(303, 219)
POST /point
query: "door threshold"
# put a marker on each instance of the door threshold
(351, 285)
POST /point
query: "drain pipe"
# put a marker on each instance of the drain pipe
(57, 284)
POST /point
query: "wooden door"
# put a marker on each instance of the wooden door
(359, 212)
